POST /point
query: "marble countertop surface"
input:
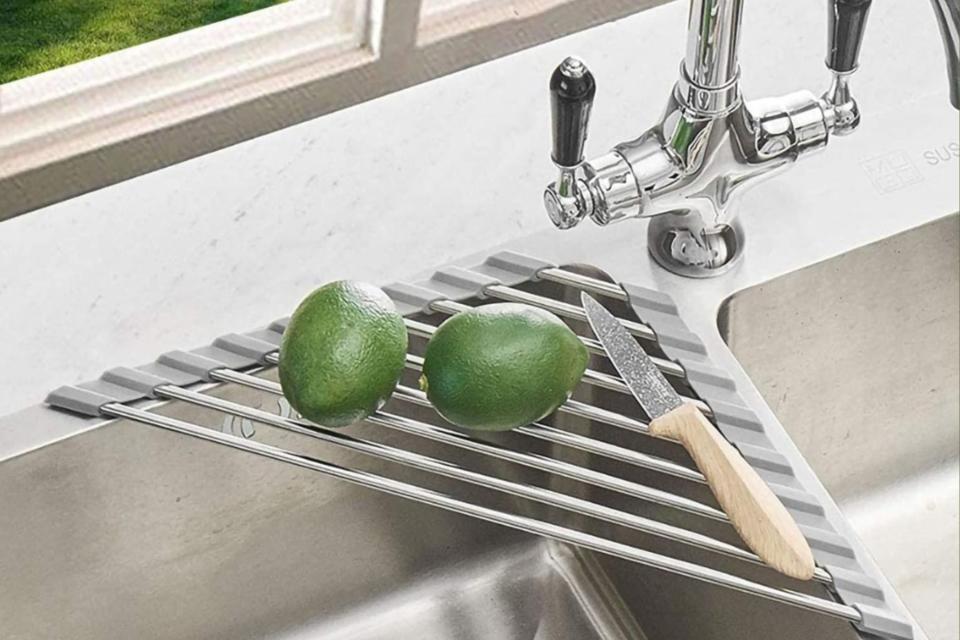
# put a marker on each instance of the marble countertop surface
(392, 187)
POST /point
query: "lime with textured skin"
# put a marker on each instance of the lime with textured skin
(501, 366)
(342, 353)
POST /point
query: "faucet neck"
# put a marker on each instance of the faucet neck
(948, 17)
(713, 43)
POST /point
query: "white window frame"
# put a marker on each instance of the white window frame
(94, 123)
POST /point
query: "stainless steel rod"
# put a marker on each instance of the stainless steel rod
(541, 432)
(562, 309)
(450, 470)
(560, 468)
(532, 460)
(421, 329)
(581, 443)
(608, 381)
(537, 431)
(605, 416)
(594, 346)
(570, 279)
(522, 523)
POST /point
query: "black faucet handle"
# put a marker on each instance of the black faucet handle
(572, 88)
(845, 26)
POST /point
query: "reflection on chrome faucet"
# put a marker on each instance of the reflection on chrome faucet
(686, 171)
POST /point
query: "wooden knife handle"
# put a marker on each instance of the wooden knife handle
(757, 515)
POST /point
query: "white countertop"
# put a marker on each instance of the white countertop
(234, 239)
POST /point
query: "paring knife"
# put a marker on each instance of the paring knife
(756, 514)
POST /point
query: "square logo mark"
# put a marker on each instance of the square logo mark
(891, 171)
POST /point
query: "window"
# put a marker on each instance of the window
(109, 118)
(40, 35)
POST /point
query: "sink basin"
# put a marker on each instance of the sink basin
(125, 530)
(861, 368)
(129, 531)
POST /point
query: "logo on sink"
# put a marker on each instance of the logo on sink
(891, 172)
(244, 427)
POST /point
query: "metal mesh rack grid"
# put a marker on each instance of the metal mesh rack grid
(241, 359)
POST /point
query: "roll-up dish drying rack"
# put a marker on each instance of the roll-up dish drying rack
(248, 360)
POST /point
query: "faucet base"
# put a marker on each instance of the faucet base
(682, 245)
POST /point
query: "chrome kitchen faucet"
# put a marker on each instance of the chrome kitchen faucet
(687, 170)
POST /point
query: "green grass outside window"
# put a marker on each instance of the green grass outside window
(39, 35)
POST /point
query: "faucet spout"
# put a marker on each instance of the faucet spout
(713, 42)
(948, 18)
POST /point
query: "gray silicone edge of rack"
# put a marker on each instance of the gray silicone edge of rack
(734, 418)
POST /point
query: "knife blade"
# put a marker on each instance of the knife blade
(642, 376)
(755, 512)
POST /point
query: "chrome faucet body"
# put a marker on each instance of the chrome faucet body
(687, 171)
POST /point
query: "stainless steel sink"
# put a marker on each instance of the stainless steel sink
(116, 529)
(858, 357)
(126, 531)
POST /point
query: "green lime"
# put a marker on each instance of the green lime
(342, 353)
(501, 366)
